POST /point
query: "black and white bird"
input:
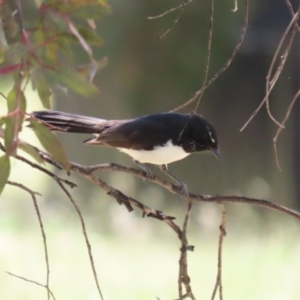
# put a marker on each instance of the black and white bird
(158, 139)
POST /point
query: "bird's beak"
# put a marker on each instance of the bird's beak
(216, 152)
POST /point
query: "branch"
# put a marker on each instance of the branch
(221, 238)
(33, 196)
(32, 281)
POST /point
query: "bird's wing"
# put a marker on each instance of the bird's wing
(141, 133)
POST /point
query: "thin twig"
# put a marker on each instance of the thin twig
(32, 281)
(89, 247)
(33, 196)
(208, 55)
(271, 83)
(226, 65)
(220, 247)
(183, 278)
(36, 166)
(181, 7)
(23, 187)
(44, 241)
(281, 127)
(280, 67)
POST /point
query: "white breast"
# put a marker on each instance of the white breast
(158, 156)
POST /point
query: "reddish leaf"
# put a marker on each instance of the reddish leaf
(9, 69)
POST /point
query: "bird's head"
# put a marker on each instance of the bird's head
(200, 135)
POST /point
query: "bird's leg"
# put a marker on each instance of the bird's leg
(181, 185)
(149, 173)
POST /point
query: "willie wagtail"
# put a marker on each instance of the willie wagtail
(157, 139)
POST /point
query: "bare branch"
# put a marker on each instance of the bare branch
(36, 166)
(270, 83)
(89, 247)
(183, 278)
(220, 247)
(282, 126)
(181, 6)
(226, 65)
(32, 281)
(33, 196)
(23, 187)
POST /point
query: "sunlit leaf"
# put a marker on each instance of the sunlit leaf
(2, 121)
(4, 171)
(9, 132)
(31, 151)
(16, 104)
(38, 3)
(50, 143)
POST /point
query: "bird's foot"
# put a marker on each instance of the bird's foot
(149, 174)
(182, 190)
(181, 186)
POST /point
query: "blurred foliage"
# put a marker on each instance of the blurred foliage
(38, 50)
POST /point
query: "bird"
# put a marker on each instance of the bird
(158, 139)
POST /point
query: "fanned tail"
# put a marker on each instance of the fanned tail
(62, 121)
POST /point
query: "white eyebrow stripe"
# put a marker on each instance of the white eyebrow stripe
(210, 135)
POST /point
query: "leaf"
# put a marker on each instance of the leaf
(44, 92)
(91, 11)
(4, 171)
(9, 69)
(15, 53)
(90, 70)
(31, 151)
(9, 132)
(72, 80)
(2, 55)
(90, 36)
(50, 143)
(2, 120)
(16, 102)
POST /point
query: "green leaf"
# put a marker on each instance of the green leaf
(31, 151)
(2, 55)
(9, 132)
(40, 84)
(4, 171)
(15, 53)
(2, 120)
(50, 143)
(15, 100)
(72, 80)
(91, 12)
(90, 36)
(44, 91)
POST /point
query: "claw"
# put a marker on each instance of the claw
(181, 186)
(148, 172)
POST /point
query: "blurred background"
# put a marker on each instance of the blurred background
(137, 258)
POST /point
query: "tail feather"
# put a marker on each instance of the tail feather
(62, 121)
